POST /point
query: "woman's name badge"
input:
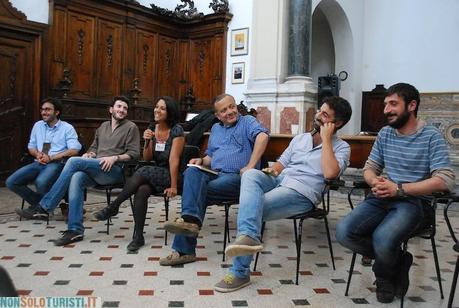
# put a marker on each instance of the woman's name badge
(160, 147)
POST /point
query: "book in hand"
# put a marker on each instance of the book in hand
(203, 168)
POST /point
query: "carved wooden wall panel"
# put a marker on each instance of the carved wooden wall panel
(146, 63)
(167, 67)
(57, 47)
(201, 71)
(108, 58)
(183, 67)
(80, 53)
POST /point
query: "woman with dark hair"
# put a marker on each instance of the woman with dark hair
(164, 142)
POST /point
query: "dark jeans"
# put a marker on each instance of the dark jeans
(377, 227)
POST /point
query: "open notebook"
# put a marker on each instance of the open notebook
(203, 168)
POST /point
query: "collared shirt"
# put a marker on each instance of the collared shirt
(62, 137)
(125, 139)
(303, 171)
(230, 147)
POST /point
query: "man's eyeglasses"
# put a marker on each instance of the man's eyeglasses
(46, 109)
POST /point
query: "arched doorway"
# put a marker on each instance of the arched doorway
(332, 51)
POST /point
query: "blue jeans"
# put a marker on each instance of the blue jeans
(263, 199)
(201, 189)
(78, 174)
(43, 177)
(377, 227)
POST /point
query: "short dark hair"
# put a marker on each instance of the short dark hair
(55, 102)
(172, 108)
(341, 107)
(121, 98)
(407, 92)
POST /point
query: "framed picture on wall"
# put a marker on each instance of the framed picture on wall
(238, 73)
(240, 42)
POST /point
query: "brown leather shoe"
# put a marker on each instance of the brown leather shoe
(179, 226)
(175, 258)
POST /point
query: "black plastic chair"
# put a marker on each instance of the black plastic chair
(316, 213)
(126, 167)
(450, 199)
(426, 230)
(189, 152)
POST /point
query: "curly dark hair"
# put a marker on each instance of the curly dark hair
(172, 108)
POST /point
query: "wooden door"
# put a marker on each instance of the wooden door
(20, 49)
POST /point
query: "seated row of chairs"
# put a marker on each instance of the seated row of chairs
(427, 229)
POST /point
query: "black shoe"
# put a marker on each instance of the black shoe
(136, 244)
(403, 279)
(33, 213)
(68, 237)
(385, 290)
(106, 212)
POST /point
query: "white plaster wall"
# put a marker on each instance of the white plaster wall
(414, 41)
(35, 10)
(242, 18)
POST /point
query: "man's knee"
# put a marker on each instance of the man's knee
(10, 182)
(191, 171)
(342, 231)
(252, 175)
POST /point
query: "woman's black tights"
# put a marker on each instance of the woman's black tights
(139, 186)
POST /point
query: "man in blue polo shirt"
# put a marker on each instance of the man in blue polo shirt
(293, 185)
(235, 146)
(50, 141)
(417, 164)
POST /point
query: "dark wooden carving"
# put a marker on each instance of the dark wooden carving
(65, 83)
(180, 12)
(135, 91)
(110, 50)
(81, 35)
(219, 6)
(373, 118)
(187, 13)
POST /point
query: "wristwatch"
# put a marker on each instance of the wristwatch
(400, 190)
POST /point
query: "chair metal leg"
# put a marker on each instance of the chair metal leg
(437, 266)
(109, 220)
(330, 247)
(351, 271)
(448, 223)
(453, 284)
(226, 231)
(349, 198)
(261, 239)
(298, 236)
(166, 208)
(22, 207)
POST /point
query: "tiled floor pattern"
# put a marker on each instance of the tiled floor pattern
(100, 265)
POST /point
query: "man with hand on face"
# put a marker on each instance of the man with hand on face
(293, 185)
(235, 146)
(115, 140)
(417, 164)
(50, 141)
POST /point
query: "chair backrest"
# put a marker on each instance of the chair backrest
(189, 152)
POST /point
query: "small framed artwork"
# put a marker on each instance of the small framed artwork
(240, 42)
(238, 72)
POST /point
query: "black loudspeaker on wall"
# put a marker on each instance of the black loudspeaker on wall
(329, 86)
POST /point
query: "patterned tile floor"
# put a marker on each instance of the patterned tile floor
(100, 266)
